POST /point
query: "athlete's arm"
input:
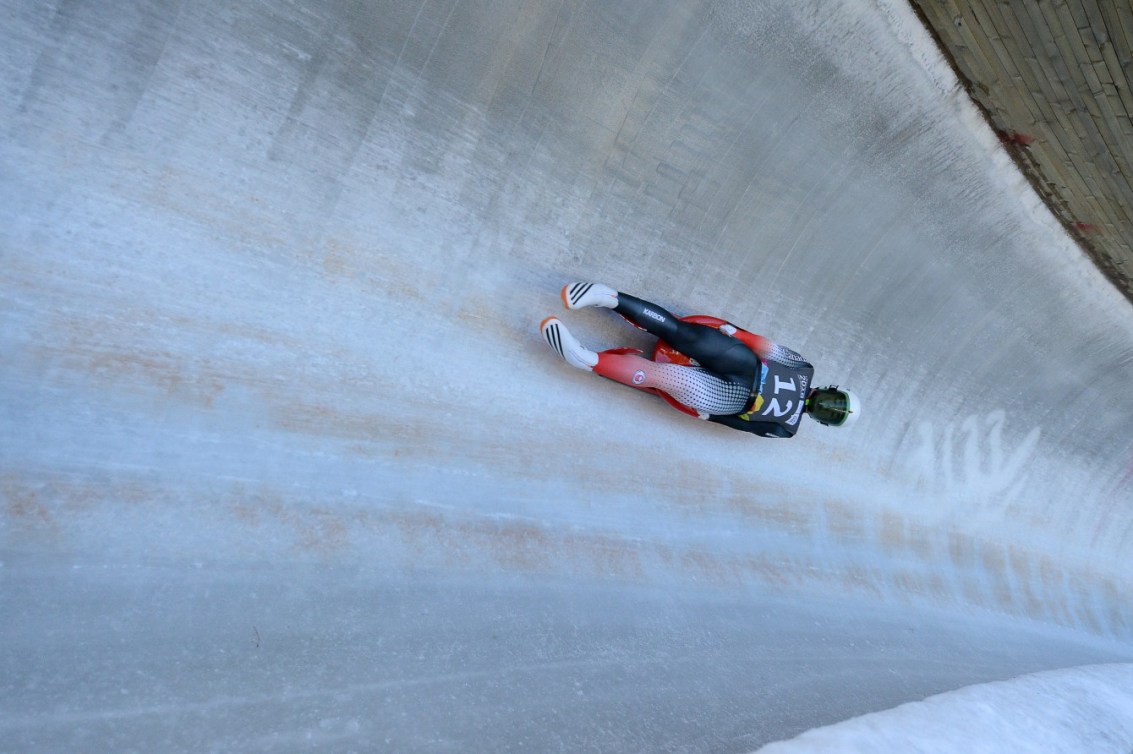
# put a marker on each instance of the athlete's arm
(768, 350)
(763, 429)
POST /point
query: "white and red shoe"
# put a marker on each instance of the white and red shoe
(566, 345)
(581, 295)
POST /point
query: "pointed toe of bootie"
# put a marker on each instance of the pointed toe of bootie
(566, 345)
(582, 295)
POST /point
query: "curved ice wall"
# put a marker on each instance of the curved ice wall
(272, 274)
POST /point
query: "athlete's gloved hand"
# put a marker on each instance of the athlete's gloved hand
(727, 329)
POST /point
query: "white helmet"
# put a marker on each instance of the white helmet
(833, 406)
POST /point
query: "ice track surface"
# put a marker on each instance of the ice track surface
(285, 465)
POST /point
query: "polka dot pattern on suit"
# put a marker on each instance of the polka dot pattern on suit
(698, 388)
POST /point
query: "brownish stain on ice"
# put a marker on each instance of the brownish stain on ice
(318, 530)
(170, 373)
(845, 520)
(517, 545)
(49, 502)
(25, 508)
(109, 348)
(322, 531)
(980, 573)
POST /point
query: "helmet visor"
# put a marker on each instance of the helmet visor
(830, 407)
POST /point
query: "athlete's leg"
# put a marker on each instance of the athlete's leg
(646, 315)
(711, 348)
(696, 388)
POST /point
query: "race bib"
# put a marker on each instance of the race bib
(782, 394)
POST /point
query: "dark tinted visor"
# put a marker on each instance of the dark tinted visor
(829, 407)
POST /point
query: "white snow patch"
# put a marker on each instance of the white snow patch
(1087, 709)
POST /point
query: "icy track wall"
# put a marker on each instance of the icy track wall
(272, 274)
(278, 269)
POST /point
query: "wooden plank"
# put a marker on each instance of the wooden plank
(1061, 140)
(1112, 163)
(1089, 23)
(1058, 69)
(1098, 190)
(978, 55)
(1049, 38)
(1019, 113)
(1116, 51)
(1076, 46)
(1013, 110)
(1057, 91)
(1087, 208)
(1119, 22)
(1102, 134)
(1019, 54)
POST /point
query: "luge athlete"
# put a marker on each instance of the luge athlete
(705, 367)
